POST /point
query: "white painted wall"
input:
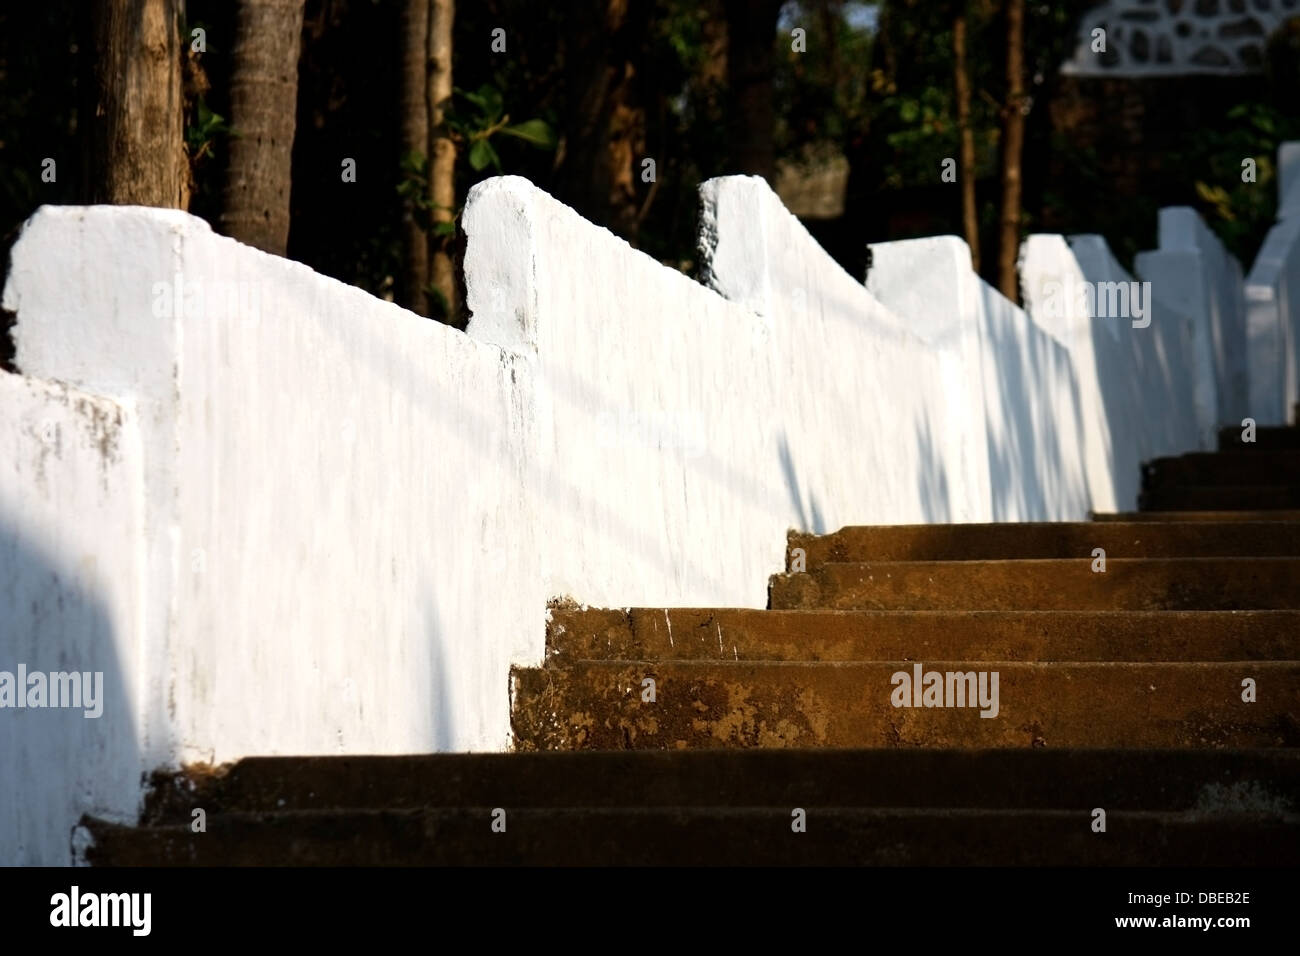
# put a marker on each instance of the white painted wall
(327, 477)
(656, 403)
(343, 522)
(1135, 384)
(1272, 288)
(865, 392)
(1009, 381)
(1288, 174)
(70, 560)
(1193, 272)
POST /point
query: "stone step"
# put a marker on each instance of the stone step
(1209, 517)
(1224, 468)
(1122, 539)
(602, 705)
(1131, 584)
(1220, 497)
(1267, 438)
(1039, 778)
(698, 836)
(726, 634)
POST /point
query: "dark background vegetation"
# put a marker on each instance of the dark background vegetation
(875, 87)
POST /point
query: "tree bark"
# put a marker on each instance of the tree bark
(966, 159)
(751, 61)
(605, 134)
(1013, 143)
(442, 152)
(713, 70)
(263, 113)
(415, 140)
(137, 111)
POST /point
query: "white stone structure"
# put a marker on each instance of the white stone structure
(283, 516)
(1172, 37)
(1272, 293)
(1193, 271)
(71, 598)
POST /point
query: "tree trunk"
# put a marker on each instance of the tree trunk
(966, 159)
(1013, 143)
(136, 111)
(713, 35)
(751, 61)
(605, 134)
(263, 111)
(415, 141)
(442, 153)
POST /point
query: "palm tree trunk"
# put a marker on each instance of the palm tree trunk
(137, 112)
(751, 65)
(966, 158)
(415, 141)
(1013, 144)
(263, 110)
(605, 134)
(442, 152)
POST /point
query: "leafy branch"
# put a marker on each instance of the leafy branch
(474, 128)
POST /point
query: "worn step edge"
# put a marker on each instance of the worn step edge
(1039, 778)
(817, 635)
(1045, 584)
(962, 542)
(603, 705)
(1225, 468)
(1267, 438)
(709, 836)
(1256, 515)
(1207, 497)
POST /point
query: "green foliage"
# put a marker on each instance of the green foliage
(1073, 200)
(489, 101)
(534, 131)
(203, 132)
(876, 89)
(475, 127)
(413, 186)
(684, 97)
(828, 95)
(1240, 212)
(482, 155)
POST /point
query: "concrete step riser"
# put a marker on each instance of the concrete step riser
(1225, 468)
(1187, 497)
(1191, 584)
(1040, 779)
(727, 634)
(1267, 438)
(697, 836)
(605, 706)
(1209, 517)
(966, 542)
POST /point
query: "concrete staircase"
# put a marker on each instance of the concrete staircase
(795, 734)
